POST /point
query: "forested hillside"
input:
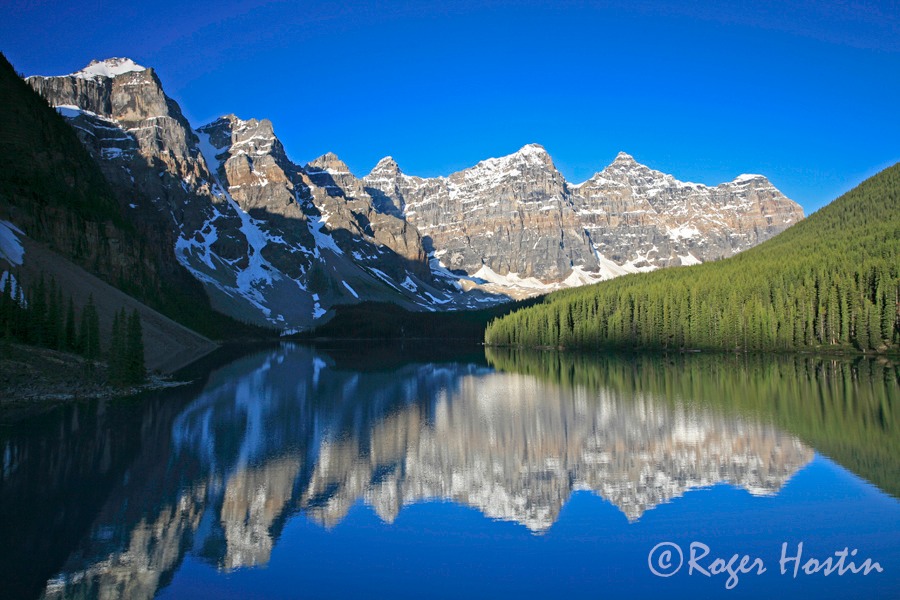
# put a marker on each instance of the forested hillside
(831, 281)
(53, 190)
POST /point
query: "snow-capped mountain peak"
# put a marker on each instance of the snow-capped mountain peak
(528, 156)
(279, 244)
(386, 165)
(534, 154)
(109, 68)
(532, 150)
(748, 177)
(623, 158)
(329, 163)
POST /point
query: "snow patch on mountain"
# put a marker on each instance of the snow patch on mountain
(493, 171)
(111, 67)
(383, 276)
(579, 277)
(683, 232)
(11, 247)
(747, 177)
(258, 273)
(510, 279)
(409, 284)
(689, 259)
(317, 227)
(317, 311)
(610, 269)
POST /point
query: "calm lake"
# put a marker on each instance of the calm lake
(294, 472)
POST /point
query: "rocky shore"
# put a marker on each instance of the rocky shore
(33, 379)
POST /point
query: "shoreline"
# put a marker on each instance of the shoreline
(34, 379)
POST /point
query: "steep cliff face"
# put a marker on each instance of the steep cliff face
(252, 173)
(642, 219)
(509, 215)
(516, 222)
(51, 188)
(152, 158)
(132, 97)
(347, 206)
(326, 240)
(279, 244)
(271, 243)
(144, 146)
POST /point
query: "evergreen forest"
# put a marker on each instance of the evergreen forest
(46, 318)
(830, 282)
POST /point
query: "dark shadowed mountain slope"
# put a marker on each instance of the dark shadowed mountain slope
(52, 189)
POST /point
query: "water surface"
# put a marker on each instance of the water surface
(296, 472)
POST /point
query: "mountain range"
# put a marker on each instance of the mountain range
(830, 283)
(279, 244)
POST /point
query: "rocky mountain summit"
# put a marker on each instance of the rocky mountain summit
(272, 242)
(280, 244)
(642, 219)
(515, 221)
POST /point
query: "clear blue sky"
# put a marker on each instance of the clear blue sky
(805, 93)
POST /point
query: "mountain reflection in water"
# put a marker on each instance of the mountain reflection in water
(220, 471)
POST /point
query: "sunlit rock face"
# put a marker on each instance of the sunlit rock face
(156, 165)
(251, 166)
(138, 135)
(272, 242)
(280, 244)
(348, 206)
(509, 215)
(642, 219)
(515, 222)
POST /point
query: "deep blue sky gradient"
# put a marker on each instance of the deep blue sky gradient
(804, 92)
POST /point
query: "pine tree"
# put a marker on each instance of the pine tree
(6, 295)
(134, 351)
(53, 323)
(20, 325)
(89, 338)
(70, 339)
(37, 314)
(117, 349)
